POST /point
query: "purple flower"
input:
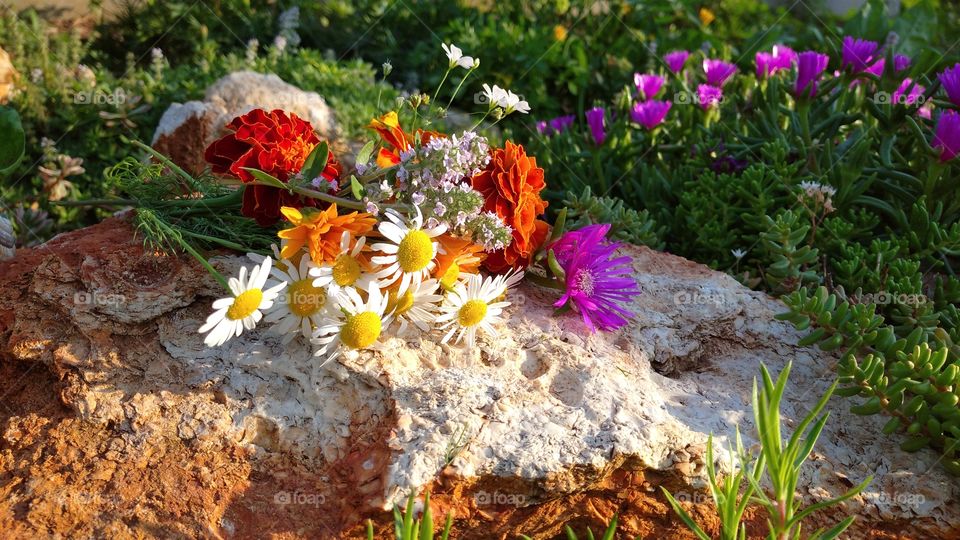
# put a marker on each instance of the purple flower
(763, 61)
(598, 284)
(709, 96)
(555, 126)
(926, 111)
(901, 62)
(901, 96)
(718, 72)
(650, 114)
(647, 84)
(595, 121)
(561, 123)
(950, 79)
(876, 68)
(810, 65)
(675, 60)
(947, 138)
(858, 53)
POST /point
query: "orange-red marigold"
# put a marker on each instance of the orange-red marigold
(511, 185)
(275, 142)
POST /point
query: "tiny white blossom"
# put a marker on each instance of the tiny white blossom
(738, 253)
(496, 96)
(456, 57)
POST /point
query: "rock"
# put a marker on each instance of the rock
(119, 422)
(186, 129)
(8, 77)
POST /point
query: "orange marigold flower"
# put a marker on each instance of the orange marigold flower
(511, 185)
(321, 230)
(388, 127)
(459, 255)
(275, 142)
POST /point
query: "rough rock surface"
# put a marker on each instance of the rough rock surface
(115, 421)
(186, 129)
(8, 76)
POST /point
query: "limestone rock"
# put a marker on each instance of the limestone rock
(8, 77)
(539, 427)
(186, 129)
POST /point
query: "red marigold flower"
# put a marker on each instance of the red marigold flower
(511, 185)
(275, 142)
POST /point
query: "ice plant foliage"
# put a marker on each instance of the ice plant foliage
(428, 233)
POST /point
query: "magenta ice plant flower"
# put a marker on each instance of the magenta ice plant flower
(647, 84)
(876, 68)
(810, 65)
(947, 137)
(858, 53)
(908, 93)
(675, 60)
(650, 114)
(950, 79)
(718, 72)
(709, 96)
(901, 62)
(781, 58)
(555, 126)
(595, 123)
(598, 283)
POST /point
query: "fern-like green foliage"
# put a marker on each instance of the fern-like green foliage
(909, 373)
(627, 224)
(173, 207)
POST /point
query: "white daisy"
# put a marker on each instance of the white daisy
(456, 57)
(474, 304)
(304, 305)
(348, 270)
(355, 324)
(410, 254)
(245, 308)
(418, 305)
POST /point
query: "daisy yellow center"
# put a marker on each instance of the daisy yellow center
(415, 251)
(305, 299)
(403, 304)
(472, 312)
(361, 330)
(346, 271)
(245, 304)
(449, 278)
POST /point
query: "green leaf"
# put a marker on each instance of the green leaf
(266, 179)
(356, 188)
(364, 155)
(13, 141)
(316, 162)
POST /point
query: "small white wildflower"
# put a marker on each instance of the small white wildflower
(456, 57)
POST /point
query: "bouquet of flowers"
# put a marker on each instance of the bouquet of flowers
(426, 232)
